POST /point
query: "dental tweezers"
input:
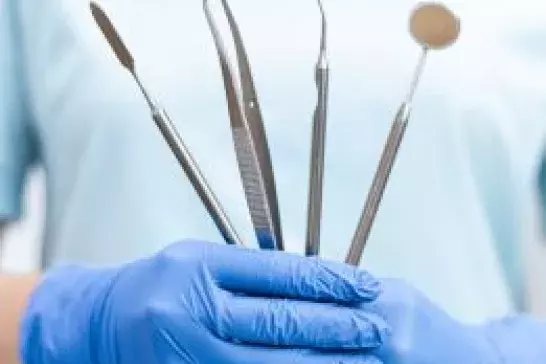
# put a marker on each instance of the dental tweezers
(251, 147)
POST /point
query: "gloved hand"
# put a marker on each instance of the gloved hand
(518, 340)
(424, 334)
(204, 303)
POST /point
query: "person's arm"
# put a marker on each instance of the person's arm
(14, 293)
(16, 154)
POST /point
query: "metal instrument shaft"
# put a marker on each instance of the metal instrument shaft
(169, 132)
(318, 145)
(384, 169)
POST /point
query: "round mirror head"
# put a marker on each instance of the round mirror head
(434, 26)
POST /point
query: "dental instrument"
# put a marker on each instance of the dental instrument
(249, 136)
(433, 26)
(169, 132)
(318, 141)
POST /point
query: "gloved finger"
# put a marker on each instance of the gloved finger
(193, 343)
(261, 355)
(213, 350)
(277, 322)
(279, 274)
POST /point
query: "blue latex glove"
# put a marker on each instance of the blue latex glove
(518, 340)
(204, 303)
(424, 334)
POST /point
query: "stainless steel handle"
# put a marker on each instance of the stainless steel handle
(379, 183)
(260, 214)
(316, 176)
(194, 174)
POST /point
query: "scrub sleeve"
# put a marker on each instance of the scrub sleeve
(16, 147)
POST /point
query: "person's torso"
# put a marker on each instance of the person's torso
(116, 193)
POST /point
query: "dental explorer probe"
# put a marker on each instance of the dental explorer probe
(318, 141)
(249, 137)
(169, 132)
(433, 26)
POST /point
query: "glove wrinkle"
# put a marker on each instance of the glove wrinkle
(197, 302)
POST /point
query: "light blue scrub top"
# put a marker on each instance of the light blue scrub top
(452, 218)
